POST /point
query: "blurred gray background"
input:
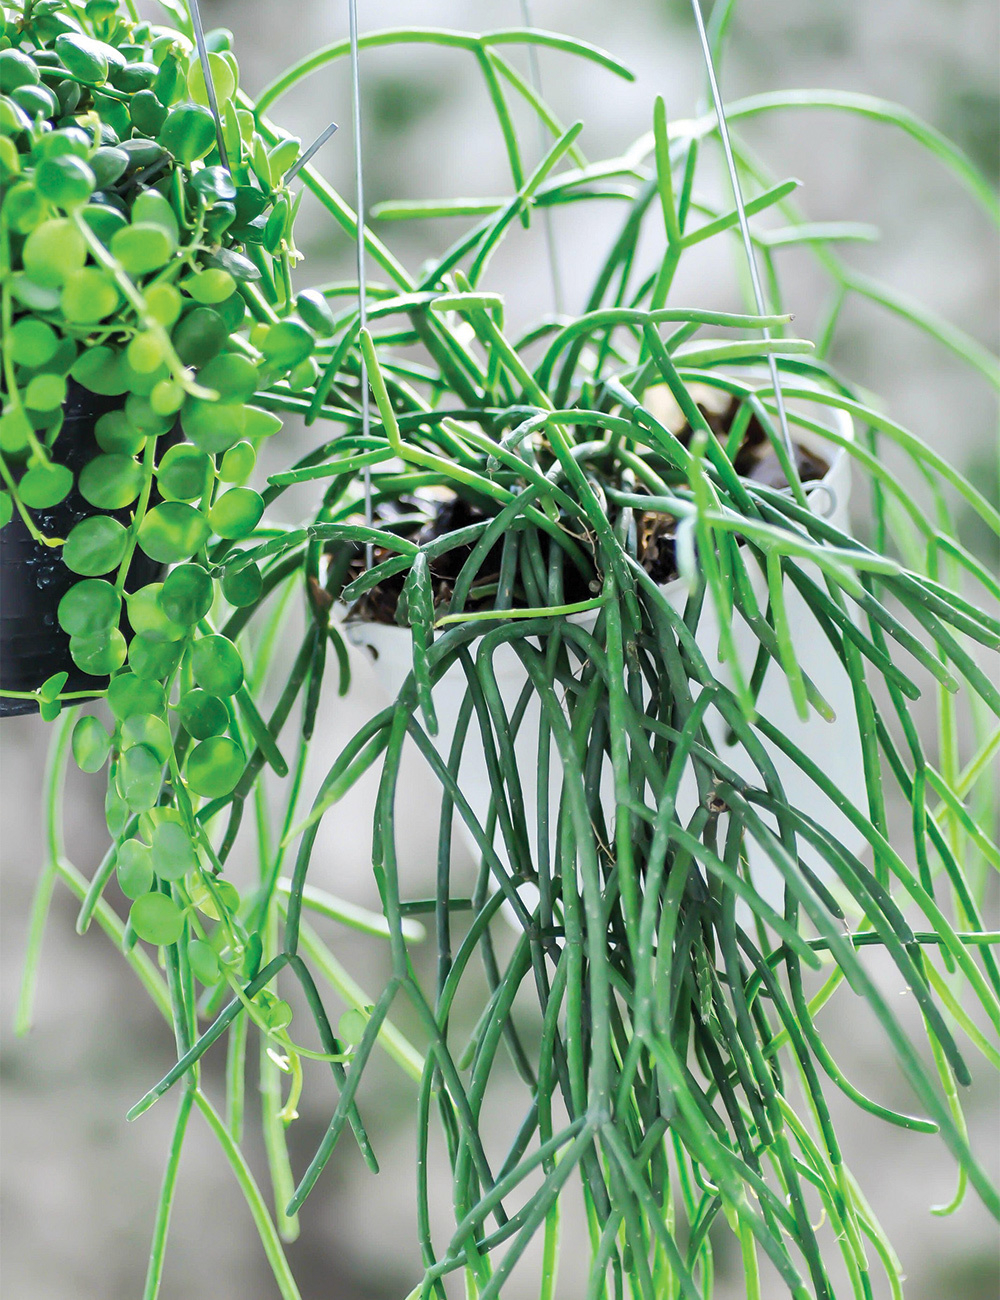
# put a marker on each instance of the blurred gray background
(78, 1184)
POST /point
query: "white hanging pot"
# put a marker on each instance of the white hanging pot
(835, 746)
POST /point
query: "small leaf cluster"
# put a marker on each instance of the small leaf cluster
(124, 215)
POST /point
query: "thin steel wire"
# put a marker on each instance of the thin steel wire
(310, 153)
(206, 68)
(535, 76)
(359, 191)
(758, 291)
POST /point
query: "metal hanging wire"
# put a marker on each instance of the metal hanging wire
(535, 76)
(206, 70)
(758, 291)
(305, 158)
(359, 201)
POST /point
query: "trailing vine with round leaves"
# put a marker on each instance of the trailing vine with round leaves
(146, 259)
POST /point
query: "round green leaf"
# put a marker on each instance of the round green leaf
(287, 343)
(202, 715)
(164, 303)
(142, 247)
(188, 132)
(32, 342)
(139, 776)
(117, 435)
(152, 206)
(243, 586)
(183, 473)
(156, 918)
(314, 309)
(222, 79)
(134, 75)
(146, 112)
(53, 251)
(108, 165)
(95, 546)
(66, 141)
(278, 1015)
(15, 429)
(45, 392)
(210, 286)
(214, 186)
(236, 513)
(100, 654)
(153, 660)
(89, 607)
(167, 397)
(187, 594)
(172, 531)
(234, 377)
(24, 208)
(103, 221)
(65, 180)
(233, 311)
(129, 694)
(303, 376)
(148, 616)
(88, 296)
(134, 868)
(199, 335)
(17, 69)
(213, 426)
(260, 424)
(351, 1026)
(35, 100)
(238, 463)
(149, 730)
(153, 817)
(45, 485)
(216, 665)
(214, 767)
(101, 371)
(53, 686)
(173, 853)
(91, 744)
(111, 482)
(144, 353)
(204, 963)
(139, 411)
(83, 57)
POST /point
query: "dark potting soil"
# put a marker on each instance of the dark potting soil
(423, 519)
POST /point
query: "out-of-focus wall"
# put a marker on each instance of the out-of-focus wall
(78, 1184)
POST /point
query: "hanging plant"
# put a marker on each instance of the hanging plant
(608, 571)
(145, 300)
(147, 309)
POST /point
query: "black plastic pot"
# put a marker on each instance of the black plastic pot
(33, 578)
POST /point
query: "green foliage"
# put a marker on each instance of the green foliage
(123, 272)
(663, 1069)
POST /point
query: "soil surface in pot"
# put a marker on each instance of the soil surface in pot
(424, 518)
